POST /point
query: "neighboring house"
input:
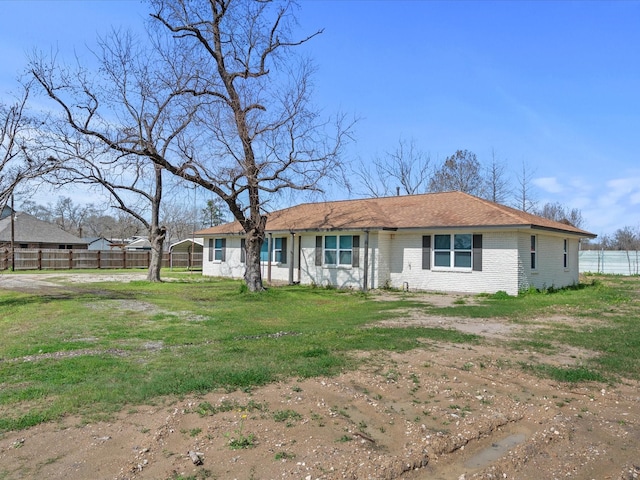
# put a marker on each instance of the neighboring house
(98, 243)
(5, 212)
(30, 232)
(448, 241)
(138, 243)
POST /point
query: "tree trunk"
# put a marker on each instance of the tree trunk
(156, 238)
(252, 274)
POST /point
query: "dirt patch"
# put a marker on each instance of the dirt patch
(439, 412)
(478, 326)
(435, 299)
(46, 283)
(424, 414)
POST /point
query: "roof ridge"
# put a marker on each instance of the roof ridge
(370, 199)
(510, 211)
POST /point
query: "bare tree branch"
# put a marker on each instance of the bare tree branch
(404, 170)
(116, 124)
(17, 131)
(497, 189)
(258, 134)
(524, 198)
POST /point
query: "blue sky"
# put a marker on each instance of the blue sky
(555, 85)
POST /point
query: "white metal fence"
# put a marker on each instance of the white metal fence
(619, 262)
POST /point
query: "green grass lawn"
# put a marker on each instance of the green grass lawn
(92, 349)
(140, 341)
(614, 301)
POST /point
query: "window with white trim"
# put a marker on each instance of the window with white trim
(462, 250)
(534, 252)
(442, 251)
(453, 251)
(338, 249)
(565, 254)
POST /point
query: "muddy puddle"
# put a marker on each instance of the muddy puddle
(488, 455)
(475, 456)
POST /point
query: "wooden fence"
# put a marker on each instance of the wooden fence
(53, 259)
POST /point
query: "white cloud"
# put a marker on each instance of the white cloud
(580, 202)
(624, 185)
(548, 184)
(615, 206)
(581, 185)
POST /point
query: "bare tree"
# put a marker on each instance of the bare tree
(16, 128)
(404, 170)
(524, 199)
(558, 212)
(84, 220)
(126, 226)
(116, 119)
(41, 212)
(628, 239)
(72, 217)
(180, 219)
(497, 189)
(459, 172)
(259, 135)
(102, 225)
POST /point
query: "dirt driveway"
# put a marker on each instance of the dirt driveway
(36, 282)
(440, 412)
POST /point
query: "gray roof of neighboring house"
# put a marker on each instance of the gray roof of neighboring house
(141, 243)
(98, 243)
(29, 229)
(6, 210)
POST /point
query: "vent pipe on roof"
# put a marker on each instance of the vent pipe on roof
(397, 191)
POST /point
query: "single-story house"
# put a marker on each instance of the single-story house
(449, 241)
(30, 232)
(138, 243)
(98, 243)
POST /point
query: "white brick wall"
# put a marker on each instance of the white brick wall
(550, 271)
(499, 271)
(395, 259)
(342, 276)
(231, 267)
(384, 258)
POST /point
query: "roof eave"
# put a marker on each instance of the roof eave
(476, 227)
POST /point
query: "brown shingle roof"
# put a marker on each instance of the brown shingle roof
(430, 210)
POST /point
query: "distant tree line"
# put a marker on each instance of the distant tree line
(626, 238)
(407, 170)
(90, 221)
